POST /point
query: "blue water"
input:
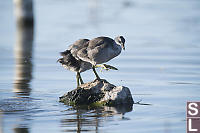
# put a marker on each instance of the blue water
(161, 65)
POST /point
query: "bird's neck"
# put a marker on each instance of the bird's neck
(117, 48)
(118, 45)
(116, 42)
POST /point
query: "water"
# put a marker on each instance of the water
(161, 65)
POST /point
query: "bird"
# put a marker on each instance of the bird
(87, 54)
(71, 62)
(100, 50)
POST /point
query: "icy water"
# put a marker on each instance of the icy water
(161, 65)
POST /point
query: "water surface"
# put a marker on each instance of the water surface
(161, 65)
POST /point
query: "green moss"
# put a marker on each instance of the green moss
(98, 104)
(71, 103)
(85, 106)
(102, 103)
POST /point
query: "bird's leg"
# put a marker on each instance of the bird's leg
(81, 80)
(97, 76)
(77, 79)
(106, 67)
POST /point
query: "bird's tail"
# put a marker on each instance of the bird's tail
(65, 53)
(68, 61)
(60, 60)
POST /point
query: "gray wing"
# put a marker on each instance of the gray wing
(100, 41)
(98, 48)
(77, 46)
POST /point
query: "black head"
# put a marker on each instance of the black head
(120, 41)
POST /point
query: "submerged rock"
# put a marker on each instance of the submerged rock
(98, 92)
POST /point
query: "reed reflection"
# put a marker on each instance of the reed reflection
(21, 130)
(23, 46)
(90, 120)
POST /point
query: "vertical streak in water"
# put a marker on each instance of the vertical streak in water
(24, 46)
(23, 51)
(23, 58)
(21, 130)
(24, 13)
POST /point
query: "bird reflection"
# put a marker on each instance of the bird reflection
(90, 120)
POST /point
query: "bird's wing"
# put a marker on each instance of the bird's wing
(98, 46)
(83, 54)
(77, 46)
(106, 41)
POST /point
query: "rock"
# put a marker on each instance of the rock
(98, 92)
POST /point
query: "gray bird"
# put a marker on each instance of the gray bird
(100, 50)
(85, 54)
(71, 62)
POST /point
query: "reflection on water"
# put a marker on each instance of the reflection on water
(21, 130)
(1, 121)
(90, 120)
(24, 12)
(23, 58)
(23, 47)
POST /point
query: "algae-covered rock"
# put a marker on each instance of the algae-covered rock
(98, 92)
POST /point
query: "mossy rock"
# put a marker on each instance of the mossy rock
(98, 93)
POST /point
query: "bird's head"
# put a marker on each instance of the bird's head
(120, 41)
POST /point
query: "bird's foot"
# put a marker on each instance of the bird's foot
(97, 79)
(106, 67)
(78, 87)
